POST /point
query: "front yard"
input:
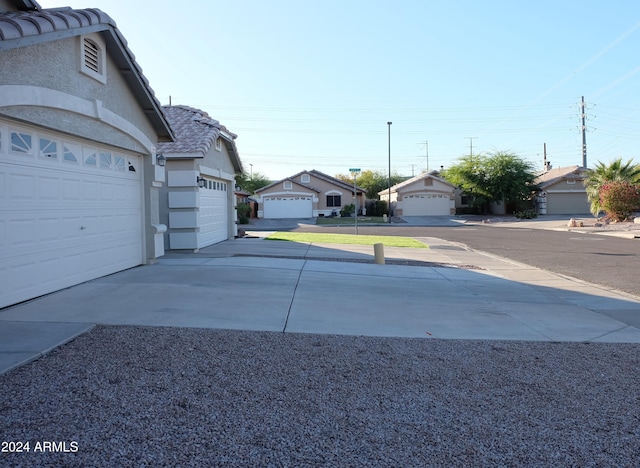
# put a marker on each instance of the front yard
(321, 238)
(347, 221)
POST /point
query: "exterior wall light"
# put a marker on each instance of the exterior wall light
(161, 160)
(201, 181)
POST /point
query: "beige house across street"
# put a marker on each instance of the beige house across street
(562, 191)
(423, 195)
(79, 128)
(307, 194)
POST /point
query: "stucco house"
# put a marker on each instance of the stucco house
(423, 195)
(307, 194)
(562, 191)
(79, 127)
(198, 202)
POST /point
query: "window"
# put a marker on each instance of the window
(93, 57)
(305, 179)
(571, 181)
(91, 158)
(119, 163)
(20, 142)
(218, 144)
(334, 200)
(69, 153)
(105, 160)
(287, 185)
(48, 148)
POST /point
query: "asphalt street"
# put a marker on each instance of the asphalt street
(605, 260)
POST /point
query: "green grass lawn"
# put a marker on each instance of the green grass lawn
(350, 221)
(320, 238)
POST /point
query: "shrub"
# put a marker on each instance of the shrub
(347, 210)
(243, 212)
(619, 199)
(526, 214)
(376, 207)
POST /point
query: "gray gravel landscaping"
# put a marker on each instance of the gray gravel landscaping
(142, 396)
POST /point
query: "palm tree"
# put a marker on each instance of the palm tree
(615, 171)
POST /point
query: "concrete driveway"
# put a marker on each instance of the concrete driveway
(446, 292)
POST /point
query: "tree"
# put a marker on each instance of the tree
(372, 182)
(252, 183)
(619, 199)
(603, 174)
(497, 177)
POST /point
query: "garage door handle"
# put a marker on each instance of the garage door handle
(82, 228)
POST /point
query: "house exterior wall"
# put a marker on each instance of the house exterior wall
(44, 86)
(566, 197)
(180, 200)
(60, 72)
(296, 189)
(427, 186)
(316, 188)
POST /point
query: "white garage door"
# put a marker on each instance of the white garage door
(69, 212)
(213, 222)
(288, 207)
(426, 204)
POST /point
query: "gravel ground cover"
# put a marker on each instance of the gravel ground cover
(145, 396)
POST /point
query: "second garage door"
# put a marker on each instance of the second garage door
(288, 207)
(213, 217)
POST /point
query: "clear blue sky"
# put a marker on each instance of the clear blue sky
(311, 85)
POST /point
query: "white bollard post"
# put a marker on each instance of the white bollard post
(378, 251)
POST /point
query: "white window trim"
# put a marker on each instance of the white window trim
(101, 74)
(287, 185)
(305, 178)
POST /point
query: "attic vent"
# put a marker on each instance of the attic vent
(93, 57)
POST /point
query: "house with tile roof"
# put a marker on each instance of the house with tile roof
(79, 128)
(198, 202)
(562, 191)
(307, 194)
(423, 195)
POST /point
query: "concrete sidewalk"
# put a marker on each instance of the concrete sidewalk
(446, 291)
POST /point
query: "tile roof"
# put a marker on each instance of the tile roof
(195, 131)
(424, 175)
(561, 173)
(315, 173)
(26, 24)
(25, 28)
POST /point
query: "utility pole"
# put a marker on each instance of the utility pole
(471, 144)
(584, 133)
(426, 144)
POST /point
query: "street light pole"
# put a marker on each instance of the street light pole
(389, 139)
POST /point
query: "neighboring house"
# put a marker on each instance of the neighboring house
(307, 194)
(423, 195)
(198, 201)
(562, 191)
(79, 126)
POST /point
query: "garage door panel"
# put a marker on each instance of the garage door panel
(213, 218)
(288, 207)
(426, 205)
(62, 223)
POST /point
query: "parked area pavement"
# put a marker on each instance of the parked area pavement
(446, 292)
(269, 353)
